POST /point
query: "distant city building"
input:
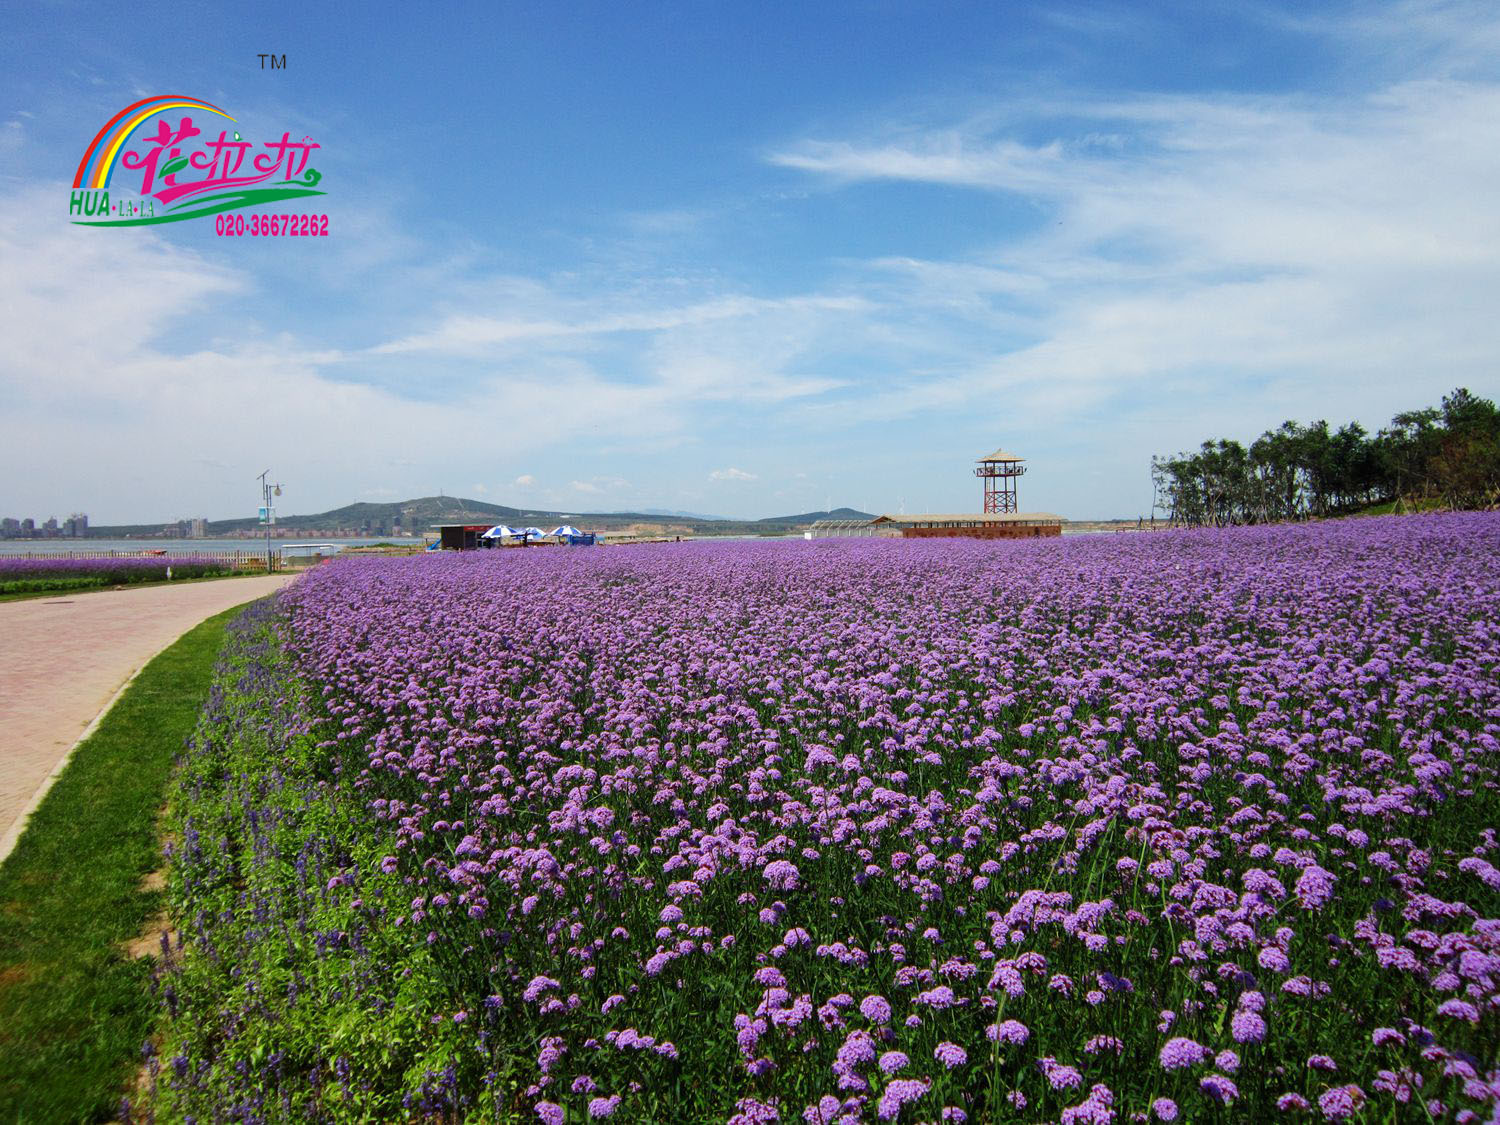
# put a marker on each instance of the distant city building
(76, 526)
(198, 528)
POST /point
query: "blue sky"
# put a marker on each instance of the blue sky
(746, 259)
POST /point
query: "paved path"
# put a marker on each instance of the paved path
(64, 659)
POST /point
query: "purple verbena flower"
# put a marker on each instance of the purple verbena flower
(900, 1092)
(1182, 1052)
(1220, 1088)
(1341, 1102)
(604, 1107)
(1008, 1031)
(950, 1055)
(1247, 1027)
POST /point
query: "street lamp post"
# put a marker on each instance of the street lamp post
(268, 513)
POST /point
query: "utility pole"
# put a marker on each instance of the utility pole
(267, 512)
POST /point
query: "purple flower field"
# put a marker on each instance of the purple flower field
(16, 573)
(1184, 826)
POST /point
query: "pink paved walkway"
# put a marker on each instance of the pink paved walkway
(63, 659)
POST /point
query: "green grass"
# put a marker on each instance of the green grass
(74, 1009)
(1396, 507)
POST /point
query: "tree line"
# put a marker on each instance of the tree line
(1446, 456)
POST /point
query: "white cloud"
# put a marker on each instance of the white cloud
(1441, 37)
(1325, 250)
(138, 389)
(942, 157)
(731, 473)
(673, 222)
(479, 334)
(12, 136)
(62, 316)
(145, 386)
(599, 486)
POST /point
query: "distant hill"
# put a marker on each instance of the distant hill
(417, 516)
(810, 517)
(679, 515)
(409, 515)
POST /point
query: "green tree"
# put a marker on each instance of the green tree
(1466, 468)
(1406, 449)
(1295, 471)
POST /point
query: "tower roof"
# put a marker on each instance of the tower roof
(1000, 455)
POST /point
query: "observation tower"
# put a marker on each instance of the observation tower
(999, 471)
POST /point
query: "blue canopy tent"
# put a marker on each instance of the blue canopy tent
(505, 535)
(570, 535)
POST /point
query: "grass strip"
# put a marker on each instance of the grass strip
(74, 1009)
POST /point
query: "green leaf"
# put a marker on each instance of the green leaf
(173, 166)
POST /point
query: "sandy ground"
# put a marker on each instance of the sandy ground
(63, 660)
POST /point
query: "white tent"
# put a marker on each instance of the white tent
(501, 531)
(565, 531)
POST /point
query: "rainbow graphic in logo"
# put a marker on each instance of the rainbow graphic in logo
(98, 163)
(186, 171)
